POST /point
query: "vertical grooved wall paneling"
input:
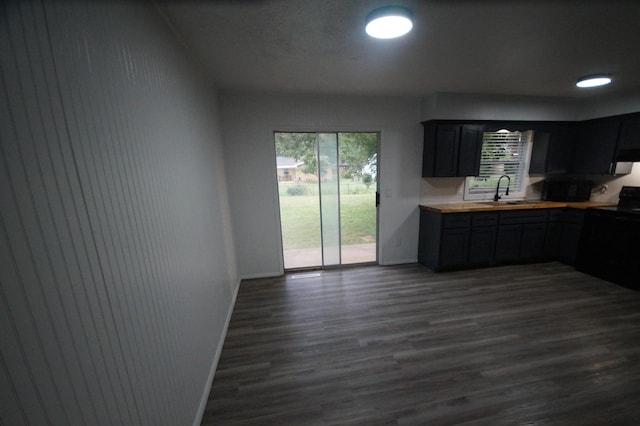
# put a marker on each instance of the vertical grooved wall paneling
(117, 263)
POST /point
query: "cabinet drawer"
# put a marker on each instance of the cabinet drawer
(484, 219)
(523, 216)
(456, 220)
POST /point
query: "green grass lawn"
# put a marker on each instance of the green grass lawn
(301, 218)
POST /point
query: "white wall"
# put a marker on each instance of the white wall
(249, 120)
(497, 107)
(603, 106)
(614, 184)
(117, 265)
(486, 107)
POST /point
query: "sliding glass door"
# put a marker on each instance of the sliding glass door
(327, 195)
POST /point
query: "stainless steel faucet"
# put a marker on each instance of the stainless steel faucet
(497, 196)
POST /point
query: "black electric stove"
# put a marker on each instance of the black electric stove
(610, 241)
(628, 203)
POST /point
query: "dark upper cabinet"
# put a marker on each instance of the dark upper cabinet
(551, 151)
(470, 150)
(592, 147)
(440, 156)
(629, 141)
(595, 148)
(451, 150)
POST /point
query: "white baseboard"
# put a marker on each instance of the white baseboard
(399, 262)
(262, 275)
(216, 358)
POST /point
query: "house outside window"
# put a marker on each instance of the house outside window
(503, 153)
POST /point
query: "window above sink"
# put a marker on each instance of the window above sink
(503, 153)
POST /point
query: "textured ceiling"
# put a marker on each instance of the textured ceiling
(510, 47)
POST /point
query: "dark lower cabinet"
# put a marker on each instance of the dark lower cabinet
(454, 247)
(532, 242)
(570, 241)
(521, 235)
(458, 240)
(570, 235)
(481, 245)
(553, 237)
(508, 243)
(523, 243)
(609, 248)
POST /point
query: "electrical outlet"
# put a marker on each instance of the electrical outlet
(600, 189)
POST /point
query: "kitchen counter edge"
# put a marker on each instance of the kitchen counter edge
(489, 206)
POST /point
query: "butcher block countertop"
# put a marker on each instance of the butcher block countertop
(471, 206)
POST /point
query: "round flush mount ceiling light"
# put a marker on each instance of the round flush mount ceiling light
(389, 22)
(593, 80)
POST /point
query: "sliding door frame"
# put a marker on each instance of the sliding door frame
(324, 264)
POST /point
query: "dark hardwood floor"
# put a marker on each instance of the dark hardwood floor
(527, 345)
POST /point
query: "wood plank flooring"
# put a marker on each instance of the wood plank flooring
(529, 344)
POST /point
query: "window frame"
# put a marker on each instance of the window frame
(489, 194)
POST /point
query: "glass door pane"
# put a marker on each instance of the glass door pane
(329, 197)
(358, 160)
(296, 159)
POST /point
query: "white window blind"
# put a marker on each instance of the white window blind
(503, 153)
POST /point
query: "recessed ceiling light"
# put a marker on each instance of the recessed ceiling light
(593, 80)
(389, 22)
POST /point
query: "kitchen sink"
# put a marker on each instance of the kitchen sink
(512, 203)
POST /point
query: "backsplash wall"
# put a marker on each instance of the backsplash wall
(451, 190)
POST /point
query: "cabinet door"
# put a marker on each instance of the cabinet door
(446, 150)
(539, 153)
(481, 245)
(560, 148)
(454, 247)
(595, 146)
(609, 249)
(470, 150)
(551, 151)
(508, 243)
(532, 241)
(570, 241)
(553, 240)
(629, 143)
(429, 238)
(440, 150)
